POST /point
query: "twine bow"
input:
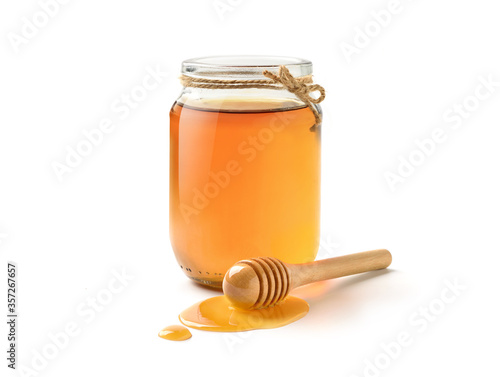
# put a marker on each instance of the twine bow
(302, 87)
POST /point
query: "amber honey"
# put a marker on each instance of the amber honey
(216, 314)
(244, 182)
(175, 333)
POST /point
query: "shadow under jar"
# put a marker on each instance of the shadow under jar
(244, 169)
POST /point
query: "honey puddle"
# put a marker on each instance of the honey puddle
(216, 314)
(175, 332)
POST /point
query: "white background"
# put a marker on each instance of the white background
(111, 212)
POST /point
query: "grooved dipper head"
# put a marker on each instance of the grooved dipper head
(256, 283)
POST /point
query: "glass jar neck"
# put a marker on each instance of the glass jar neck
(237, 82)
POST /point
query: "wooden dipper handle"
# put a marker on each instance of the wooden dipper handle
(262, 282)
(332, 268)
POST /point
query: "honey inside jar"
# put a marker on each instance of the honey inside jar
(244, 183)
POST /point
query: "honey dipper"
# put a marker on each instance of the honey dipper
(262, 282)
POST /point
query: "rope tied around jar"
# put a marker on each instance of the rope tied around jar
(302, 87)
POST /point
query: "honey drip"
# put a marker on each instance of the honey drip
(216, 314)
(175, 332)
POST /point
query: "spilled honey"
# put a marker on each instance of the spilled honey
(216, 314)
(175, 332)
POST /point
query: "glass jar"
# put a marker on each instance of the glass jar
(244, 169)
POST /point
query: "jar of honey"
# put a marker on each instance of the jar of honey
(244, 164)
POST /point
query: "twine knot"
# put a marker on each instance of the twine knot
(301, 89)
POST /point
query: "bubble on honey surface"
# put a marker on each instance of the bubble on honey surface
(175, 332)
(216, 314)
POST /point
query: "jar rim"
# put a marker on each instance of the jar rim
(243, 66)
